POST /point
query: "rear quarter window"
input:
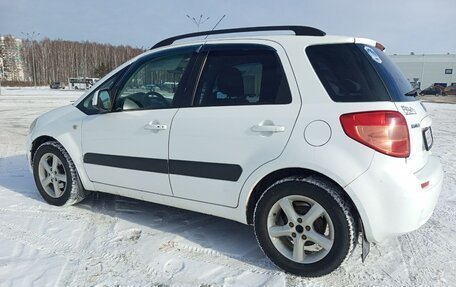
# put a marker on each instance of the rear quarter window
(351, 73)
(346, 73)
(393, 78)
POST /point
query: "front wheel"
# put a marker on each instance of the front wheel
(304, 226)
(55, 175)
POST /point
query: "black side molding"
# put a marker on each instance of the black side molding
(128, 162)
(219, 171)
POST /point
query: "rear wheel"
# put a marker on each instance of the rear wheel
(55, 175)
(304, 226)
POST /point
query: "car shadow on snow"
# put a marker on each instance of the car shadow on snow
(15, 176)
(193, 232)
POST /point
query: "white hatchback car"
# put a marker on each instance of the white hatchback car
(313, 139)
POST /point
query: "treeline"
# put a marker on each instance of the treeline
(48, 60)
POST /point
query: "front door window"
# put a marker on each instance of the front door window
(154, 84)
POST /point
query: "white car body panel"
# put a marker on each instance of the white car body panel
(417, 120)
(66, 128)
(390, 199)
(221, 138)
(124, 134)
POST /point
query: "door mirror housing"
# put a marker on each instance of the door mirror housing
(102, 101)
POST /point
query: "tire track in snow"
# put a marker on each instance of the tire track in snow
(79, 255)
(39, 241)
(208, 255)
(100, 228)
(45, 214)
(415, 257)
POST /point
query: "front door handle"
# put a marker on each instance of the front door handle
(155, 126)
(268, 129)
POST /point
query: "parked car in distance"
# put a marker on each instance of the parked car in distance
(433, 90)
(57, 85)
(315, 140)
(450, 90)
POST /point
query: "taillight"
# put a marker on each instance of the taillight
(384, 131)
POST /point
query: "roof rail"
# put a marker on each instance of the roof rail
(298, 30)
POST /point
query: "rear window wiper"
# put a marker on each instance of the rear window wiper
(413, 93)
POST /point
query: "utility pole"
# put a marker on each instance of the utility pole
(31, 37)
(198, 21)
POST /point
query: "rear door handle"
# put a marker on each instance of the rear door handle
(268, 129)
(154, 126)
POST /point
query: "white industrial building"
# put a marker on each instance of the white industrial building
(425, 70)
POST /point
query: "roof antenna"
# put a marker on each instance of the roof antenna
(216, 25)
(198, 22)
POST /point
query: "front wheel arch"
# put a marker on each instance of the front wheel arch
(37, 142)
(73, 191)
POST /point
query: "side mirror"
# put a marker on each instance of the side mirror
(102, 101)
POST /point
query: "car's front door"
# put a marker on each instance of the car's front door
(128, 147)
(241, 117)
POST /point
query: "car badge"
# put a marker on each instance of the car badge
(408, 110)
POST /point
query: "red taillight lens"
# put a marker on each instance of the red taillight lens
(384, 131)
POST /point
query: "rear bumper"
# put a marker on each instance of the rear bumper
(390, 199)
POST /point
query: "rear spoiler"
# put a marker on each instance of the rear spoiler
(369, 42)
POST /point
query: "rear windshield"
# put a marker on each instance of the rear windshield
(358, 73)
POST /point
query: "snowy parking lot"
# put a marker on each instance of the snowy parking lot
(110, 240)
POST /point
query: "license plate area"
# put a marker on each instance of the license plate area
(428, 138)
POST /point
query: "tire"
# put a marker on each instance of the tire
(56, 176)
(322, 214)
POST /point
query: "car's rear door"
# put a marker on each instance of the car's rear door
(241, 116)
(128, 147)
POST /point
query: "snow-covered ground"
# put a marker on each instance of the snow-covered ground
(110, 240)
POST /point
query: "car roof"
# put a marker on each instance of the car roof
(283, 40)
(301, 34)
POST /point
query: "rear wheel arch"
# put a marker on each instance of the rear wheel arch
(305, 226)
(280, 174)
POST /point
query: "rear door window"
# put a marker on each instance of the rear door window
(236, 76)
(358, 73)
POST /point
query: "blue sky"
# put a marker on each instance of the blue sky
(402, 26)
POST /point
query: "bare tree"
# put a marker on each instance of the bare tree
(58, 60)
